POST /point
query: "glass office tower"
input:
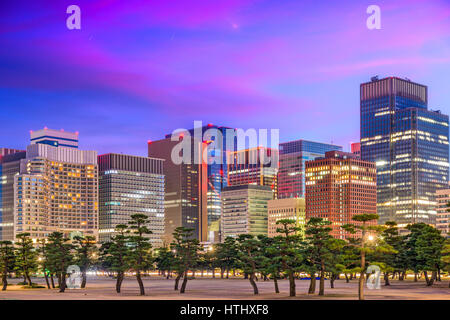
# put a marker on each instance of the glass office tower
(130, 185)
(217, 171)
(409, 144)
(293, 155)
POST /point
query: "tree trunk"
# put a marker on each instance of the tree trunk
(427, 280)
(347, 280)
(83, 280)
(361, 277)
(62, 285)
(185, 280)
(432, 279)
(52, 281)
(291, 284)
(58, 276)
(214, 273)
(28, 279)
(141, 284)
(253, 283)
(275, 282)
(228, 273)
(332, 278)
(119, 282)
(415, 276)
(4, 281)
(386, 279)
(46, 280)
(312, 284)
(322, 280)
(177, 280)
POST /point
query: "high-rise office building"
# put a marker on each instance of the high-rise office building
(9, 167)
(186, 186)
(55, 138)
(293, 155)
(245, 210)
(356, 149)
(130, 185)
(219, 140)
(338, 187)
(257, 166)
(56, 190)
(443, 215)
(409, 144)
(289, 208)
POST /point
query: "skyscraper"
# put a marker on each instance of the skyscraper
(338, 187)
(186, 186)
(219, 140)
(9, 167)
(258, 166)
(56, 190)
(130, 185)
(443, 215)
(409, 144)
(245, 210)
(55, 138)
(356, 149)
(293, 155)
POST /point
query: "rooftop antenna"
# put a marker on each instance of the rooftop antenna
(374, 78)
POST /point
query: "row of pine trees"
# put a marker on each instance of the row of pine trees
(423, 252)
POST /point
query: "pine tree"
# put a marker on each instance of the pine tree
(26, 257)
(140, 257)
(43, 260)
(60, 253)
(250, 256)
(290, 249)
(186, 250)
(85, 255)
(7, 261)
(365, 245)
(318, 250)
(115, 254)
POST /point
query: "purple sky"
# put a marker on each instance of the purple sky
(139, 69)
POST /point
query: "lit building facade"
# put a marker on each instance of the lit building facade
(338, 187)
(9, 167)
(293, 155)
(219, 140)
(289, 208)
(130, 185)
(356, 149)
(256, 166)
(409, 144)
(245, 210)
(186, 186)
(443, 215)
(56, 190)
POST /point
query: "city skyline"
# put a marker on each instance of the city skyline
(136, 69)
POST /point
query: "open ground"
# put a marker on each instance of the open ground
(157, 288)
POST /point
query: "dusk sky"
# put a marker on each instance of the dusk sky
(137, 70)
